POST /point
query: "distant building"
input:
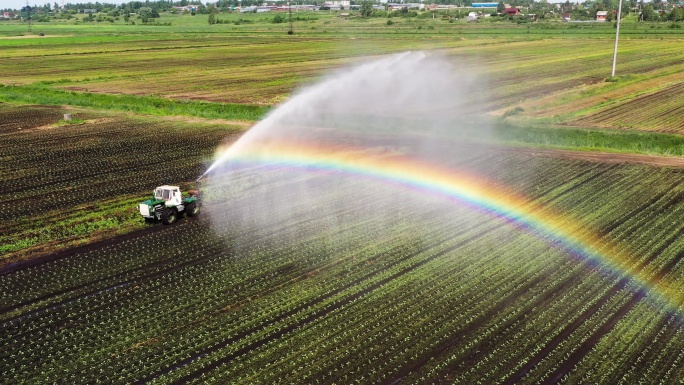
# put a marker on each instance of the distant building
(473, 16)
(259, 9)
(566, 17)
(601, 15)
(511, 11)
(419, 6)
(485, 5)
(186, 8)
(294, 8)
(6, 15)
(341, 3)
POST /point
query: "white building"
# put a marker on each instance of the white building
(472, 16)
(343, 3)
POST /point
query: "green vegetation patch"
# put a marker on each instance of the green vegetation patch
(593, 139)
(149, 105)
(426, 291)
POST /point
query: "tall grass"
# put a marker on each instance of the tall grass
(151, 105)
(593, 140)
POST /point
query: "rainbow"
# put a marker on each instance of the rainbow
(468, 189)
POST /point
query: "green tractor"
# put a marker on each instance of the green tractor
(168, 203)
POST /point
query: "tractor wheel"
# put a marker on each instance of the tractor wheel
(169, 216)
(192, 209)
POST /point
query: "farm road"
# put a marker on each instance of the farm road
(604, 157)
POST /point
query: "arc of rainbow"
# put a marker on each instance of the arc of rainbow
(469, 189)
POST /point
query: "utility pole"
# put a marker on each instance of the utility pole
(617, 34)
(289, 8)
(28, 14)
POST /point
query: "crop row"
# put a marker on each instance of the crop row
(90, 164)
(590, 69)
(64, 181)
(191, 293)
(629, 193)
(425, 291)
(658, 111)
(126, 263)
(14, 120)
(436, 299)
(94, 272)
(263, 71)
(260, 266)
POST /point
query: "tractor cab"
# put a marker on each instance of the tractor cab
(168, 203)
(171, 195)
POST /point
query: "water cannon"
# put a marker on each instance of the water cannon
(198, 187)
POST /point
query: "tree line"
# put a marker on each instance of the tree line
(666, 10)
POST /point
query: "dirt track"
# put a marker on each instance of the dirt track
(605, 157)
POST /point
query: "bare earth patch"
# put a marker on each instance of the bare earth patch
(188, 119)
(31, 37)
(605, 157)
(65, 124)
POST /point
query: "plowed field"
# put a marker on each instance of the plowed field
(64, 182)
(660, 110)
(422, 293)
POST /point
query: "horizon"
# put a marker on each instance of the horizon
(19, 4)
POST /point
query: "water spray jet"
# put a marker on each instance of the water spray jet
(311, 168)
(399, 105)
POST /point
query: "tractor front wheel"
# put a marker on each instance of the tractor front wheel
(169, 216)
(191, 209)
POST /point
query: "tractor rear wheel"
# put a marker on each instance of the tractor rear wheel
(191, 209)
(169, 216)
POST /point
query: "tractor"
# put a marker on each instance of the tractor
(168, 203)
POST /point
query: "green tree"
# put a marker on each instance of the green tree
(212, 14)
(366, 8)
(647, 14)
(144, 13)
(500, 8)
(677, 14)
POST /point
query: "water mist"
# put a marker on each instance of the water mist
(412, 105)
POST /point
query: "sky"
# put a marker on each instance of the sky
(18, 4)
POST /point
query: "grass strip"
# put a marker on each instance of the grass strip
(535, 135)
(150, 105)
(594, 140)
